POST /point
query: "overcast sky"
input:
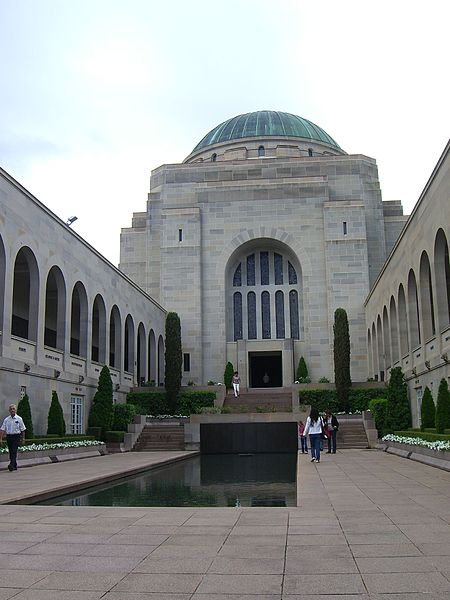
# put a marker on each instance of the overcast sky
(97, 93)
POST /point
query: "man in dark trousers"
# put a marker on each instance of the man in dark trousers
(332, 426)
(14, 428)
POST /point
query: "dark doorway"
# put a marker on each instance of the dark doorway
(265, 369)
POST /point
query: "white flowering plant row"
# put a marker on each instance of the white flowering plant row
(162, 417)
(56, 446)
(415, 441)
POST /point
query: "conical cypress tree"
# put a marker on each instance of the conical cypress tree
(302, 370)
(427, 410)
(398, 413)
(24, 411)
(228, 375)
(442, 420)
(55, 420)
(341, 352)
(102, 411)
(173, 358)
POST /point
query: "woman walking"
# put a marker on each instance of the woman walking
(314, 426)
(236, 381)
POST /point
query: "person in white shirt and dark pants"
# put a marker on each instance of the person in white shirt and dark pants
(14, 428)
(314, 426)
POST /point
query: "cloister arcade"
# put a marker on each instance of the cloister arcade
(405, 332)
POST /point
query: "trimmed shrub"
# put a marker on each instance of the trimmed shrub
(302, 371)
(123, 415)
(24, 411)
(378, 408)
(425, 435)
(427, 410)
(95, 432)
(55, 419)
(191, 403)
(49, 439)
(358, 399)
(228, 375)
(101, 413)
(442, 420)
(155, 403)
(114, 436)
(398, 414)
(173, 360)
(341, 353)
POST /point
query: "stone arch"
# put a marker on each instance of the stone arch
(115, 338)
(393, 330)
(128, 350)
(369, 353)
(426, 298)
(55, 309)
(442, 278)
(374, 352)
(161, 362)
(141, 363)
(402, 321)
(79, 321)
(413, 311)
(25, 305)
(98, 334)
(264, 266)
(386, 340)
(152, 357)
(381, 361)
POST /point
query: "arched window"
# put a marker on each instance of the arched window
(402, 322)
(78, 321)
(98, 342)
(369, 354)
(128, 363)
(374, 353)
(279, 315)
(426, 297)
(394, 331)
(115, 338)
(213, 157)
(413, 311)
(141, 354)
(310, 151)
(55, 309)
(251, 310)
(293, 314)
(381, 365)
(265, 315)
(442, 276)
(161, 360)
(237, 311)
(261, 151)
(237, 278)
(152, 356)
(25, 296)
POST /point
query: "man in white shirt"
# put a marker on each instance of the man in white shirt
(14, 428)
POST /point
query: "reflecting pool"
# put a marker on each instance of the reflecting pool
(207, 480)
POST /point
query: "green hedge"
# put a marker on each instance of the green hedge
(114, 436)
(155, 403)
(123, 415)
(48, 439)
(424, 435)
(322, 399)
(378, 408)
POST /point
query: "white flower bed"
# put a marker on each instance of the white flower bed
(162, 417)
(60, 445)
(415, 441)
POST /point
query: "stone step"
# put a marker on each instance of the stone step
(161, 436)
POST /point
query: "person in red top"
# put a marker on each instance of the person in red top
(302, 438)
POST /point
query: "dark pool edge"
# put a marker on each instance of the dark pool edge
(31, 499)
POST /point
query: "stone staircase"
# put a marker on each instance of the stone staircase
(260, 400)
(161, 436)
(351, 433)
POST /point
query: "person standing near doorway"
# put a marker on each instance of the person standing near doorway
(236, 381)
(14, 428)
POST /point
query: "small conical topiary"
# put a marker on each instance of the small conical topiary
(24, 411)
(302, 370)
(427, 410)
(102, 411)
(55, 420)
(442, 420)
(228, 375)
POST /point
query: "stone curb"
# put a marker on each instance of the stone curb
(433, 458)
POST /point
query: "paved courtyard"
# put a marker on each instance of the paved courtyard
(368, 526)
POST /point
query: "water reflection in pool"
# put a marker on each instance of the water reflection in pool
(208, 480)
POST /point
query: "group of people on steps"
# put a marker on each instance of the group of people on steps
(319, 428)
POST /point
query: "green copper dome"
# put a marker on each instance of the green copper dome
(265, 123)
